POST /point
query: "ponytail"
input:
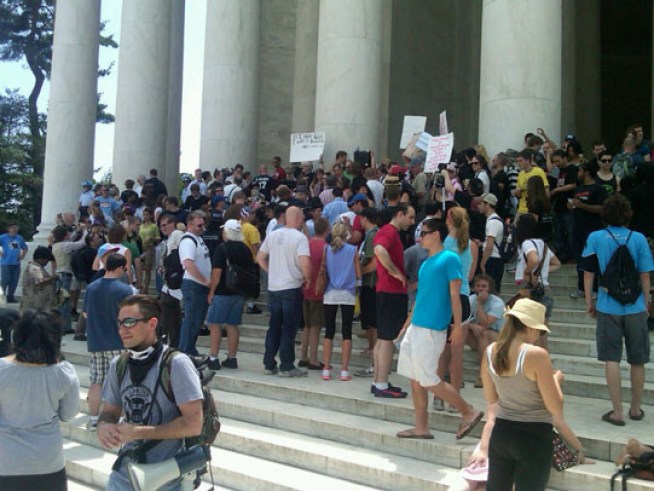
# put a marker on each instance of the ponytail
(339, 236)
(461, 222)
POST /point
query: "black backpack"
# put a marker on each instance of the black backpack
(506, 247)
(621, 278)
(81, 263)
(174, 268)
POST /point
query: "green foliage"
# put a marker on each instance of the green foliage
(19, 185)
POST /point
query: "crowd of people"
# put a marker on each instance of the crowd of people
(418, 258)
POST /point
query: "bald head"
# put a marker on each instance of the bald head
(294, 217)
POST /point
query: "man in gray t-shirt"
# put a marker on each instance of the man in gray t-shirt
(149, 414)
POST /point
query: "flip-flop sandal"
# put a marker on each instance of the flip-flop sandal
(407, 434)
(466, 429)
(608, 419)
(640, 416)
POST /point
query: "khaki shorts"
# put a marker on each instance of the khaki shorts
(100, 361)
(314, 313)
(419, 354)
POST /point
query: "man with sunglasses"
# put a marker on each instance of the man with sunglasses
(157, 415)
(194, 256)
(101, 302)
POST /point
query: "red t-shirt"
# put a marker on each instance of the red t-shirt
(356, 227)
(279, 174)
(389, 238)
(316, 248)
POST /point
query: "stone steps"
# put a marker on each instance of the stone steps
(338, 428)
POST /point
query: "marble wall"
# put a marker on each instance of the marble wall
(276, 74)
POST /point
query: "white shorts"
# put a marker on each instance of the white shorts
(420, 351)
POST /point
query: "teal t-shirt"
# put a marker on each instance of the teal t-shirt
(432, 309)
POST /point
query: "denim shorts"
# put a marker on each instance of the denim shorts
(226, 309)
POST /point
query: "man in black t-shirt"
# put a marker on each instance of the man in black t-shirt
(264, 182)
(566, 185)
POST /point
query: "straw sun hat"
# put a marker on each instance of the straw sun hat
(530, 313)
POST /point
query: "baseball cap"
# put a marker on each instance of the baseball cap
(396, 169)
(489, 198)
(216, 199)
(87, 184)
(232, 225)
(357, 198)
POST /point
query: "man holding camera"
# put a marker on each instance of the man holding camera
(154, 423)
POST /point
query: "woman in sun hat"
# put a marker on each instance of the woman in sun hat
(518, 378)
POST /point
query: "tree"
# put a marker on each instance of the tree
(26, 32)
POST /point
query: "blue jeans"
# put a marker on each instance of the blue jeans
(65, 280)
(9, 282)
(158, 281)
(285, 313)
(195, 311)
(564, 229)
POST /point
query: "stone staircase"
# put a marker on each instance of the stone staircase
(297, 434)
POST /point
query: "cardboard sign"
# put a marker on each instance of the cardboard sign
(306, 146)
(442, 123)
(439, 151)
(412, 125)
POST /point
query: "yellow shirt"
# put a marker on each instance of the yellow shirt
(149, 235)
(251, 237)
(523, 177)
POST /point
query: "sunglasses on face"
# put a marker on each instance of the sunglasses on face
(129, 322)
(425, 232)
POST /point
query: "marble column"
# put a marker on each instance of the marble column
(348, 88)
(230, 84)
(520, 79)
(72, 108)
(175, 85)
(142, 93)
(306, 49)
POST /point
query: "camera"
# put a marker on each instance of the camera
(442, 167)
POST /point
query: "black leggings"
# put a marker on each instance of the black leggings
(347, 314)
(51, 482)
(519, 453)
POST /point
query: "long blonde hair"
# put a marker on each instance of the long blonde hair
(511, 327)
(339, 236)
(460, 221)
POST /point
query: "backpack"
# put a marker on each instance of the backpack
(621, 278)
(174, 268)
(506, 247)
(641, 467)
(241, 281)
(210, 416)
(623, 166)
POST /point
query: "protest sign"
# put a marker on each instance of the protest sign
(442, 123)
(412, 125)
(439, 151)
(306, 146)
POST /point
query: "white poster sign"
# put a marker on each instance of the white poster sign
(412, 125)
(439, 151)
(306, 146)
(442, 124)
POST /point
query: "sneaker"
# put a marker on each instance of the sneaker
(577, 295)
(364, 372)
(326, 374)
(390, 387)
(295, 372)
(303, 363)
(345, 376)
(438, 405)
(230, 363)
(92, 423)
(271, 371)
(451, 409)
(214, 364)
(254, 310)
(388, 393)
(204, 332)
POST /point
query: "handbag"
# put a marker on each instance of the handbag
(562, 457)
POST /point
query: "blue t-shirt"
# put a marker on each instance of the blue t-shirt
(11, 247)
(494, 306)
(601, 245)
(108, 206)
(432, 309)
(466, 261)
(101, 302)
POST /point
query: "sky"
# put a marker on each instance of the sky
(16, 75)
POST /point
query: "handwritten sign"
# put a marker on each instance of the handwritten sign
(442, 123)
(412, 125)
(439, 151)
(307, 146)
